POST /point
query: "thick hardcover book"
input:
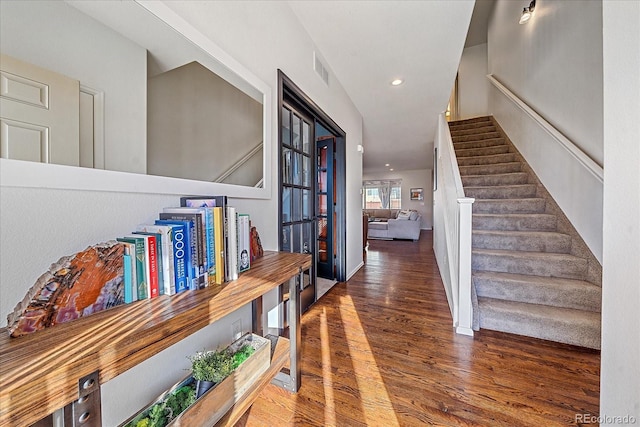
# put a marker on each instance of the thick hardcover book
(210, 236)
(158, 256)
(218, 226)
(197, 219)
(190, 259)
(141, 275)
(150, 264)
(244, 243)
(181, 252)
(232, 237)
(130, 249)
(213, 201)
(164, 234)
(128, 289)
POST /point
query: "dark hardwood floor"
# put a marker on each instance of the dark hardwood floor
(380, 350)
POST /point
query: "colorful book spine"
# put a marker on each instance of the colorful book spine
(141, 278)
(218, 225)
(213, 201)
(151, 265)
(184, 250)
(130, 249)
(244, 242)
(164, 234)
(157, 245)
(197, 228)
(232, 253)
(209, 234)
(128, 289)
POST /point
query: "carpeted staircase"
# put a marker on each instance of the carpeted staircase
(533, 275)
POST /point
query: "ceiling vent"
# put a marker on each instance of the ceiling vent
(320, 69)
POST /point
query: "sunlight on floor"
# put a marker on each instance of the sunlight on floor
(329, 405)
(368, 377)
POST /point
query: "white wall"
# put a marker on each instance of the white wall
(620, 370)
(41, 225)
(216, 123)
(473, 87)
(105, 62)
(419, 178)
(265, 37)
(554, 65)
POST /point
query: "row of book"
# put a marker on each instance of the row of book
(200, 243)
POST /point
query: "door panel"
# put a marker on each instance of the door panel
(325, 206)
(24, 141)
(33, 99)
(297, 220)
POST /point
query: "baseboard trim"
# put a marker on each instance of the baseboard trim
(358, 267)
(462, 330)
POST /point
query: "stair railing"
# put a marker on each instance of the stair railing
(237, 165)
(452, 230)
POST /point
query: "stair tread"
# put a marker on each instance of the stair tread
(487, 142)
(504, 186)
(559, 324)
(509, 215)
(526, 254)
(560, 314)
(522, 233)
(489, 166)
(507, 174)
(553, 291)
(525, 278)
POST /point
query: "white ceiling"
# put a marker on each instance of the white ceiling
(366, 44)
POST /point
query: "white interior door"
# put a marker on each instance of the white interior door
(39, 114)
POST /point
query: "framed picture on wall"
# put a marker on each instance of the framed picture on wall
(416, 194)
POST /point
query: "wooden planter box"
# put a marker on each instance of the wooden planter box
(212, 406)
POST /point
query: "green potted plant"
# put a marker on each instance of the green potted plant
(209, 368)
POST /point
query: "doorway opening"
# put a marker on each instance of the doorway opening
(312, 183)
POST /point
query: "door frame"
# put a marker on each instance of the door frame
(288, 90)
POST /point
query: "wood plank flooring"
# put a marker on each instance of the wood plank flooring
(380, 350)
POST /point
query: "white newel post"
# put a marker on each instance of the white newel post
(465, 308)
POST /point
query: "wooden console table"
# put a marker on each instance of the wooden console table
(50, 369)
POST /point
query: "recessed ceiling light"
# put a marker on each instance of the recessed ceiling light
(397, 82)
(391, 169)
(386, 164)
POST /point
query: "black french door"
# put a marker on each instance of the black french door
(297, 215)
(325, 206)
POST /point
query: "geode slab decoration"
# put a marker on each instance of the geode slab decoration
(75, 286)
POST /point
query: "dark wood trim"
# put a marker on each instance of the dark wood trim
(300, 100)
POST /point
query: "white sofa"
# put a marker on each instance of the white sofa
(385, 226)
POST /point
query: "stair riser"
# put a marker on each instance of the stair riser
(520, 222)
(491, 169)
(479, 144)
(487, 160)
(551, 243)
(479, 137)
(456, 128)
(487, 180)
(575, 297)
(501, 192)
(575, 268)
(522, 206)
(473, 131)
(484, 151)
(584, 335)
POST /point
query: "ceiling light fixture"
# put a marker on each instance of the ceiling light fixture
(386, 164)
(397, 82)
(527, 12)
(391, 169)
